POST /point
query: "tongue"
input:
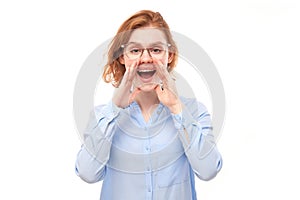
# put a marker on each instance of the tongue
(146, 74)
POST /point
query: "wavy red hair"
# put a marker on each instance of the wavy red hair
(114, 70)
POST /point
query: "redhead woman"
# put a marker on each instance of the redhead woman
(148, 142)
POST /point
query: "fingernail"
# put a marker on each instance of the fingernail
(131, 89)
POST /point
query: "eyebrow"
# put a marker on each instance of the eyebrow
(154, 43)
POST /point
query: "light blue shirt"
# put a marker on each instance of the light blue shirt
(154, 160)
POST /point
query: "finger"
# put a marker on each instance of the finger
(162, 72)
(168, 87)
(159, 68)
(132, 68)
(131, 71)
(162, 67)
(159, 90)
(168, 82)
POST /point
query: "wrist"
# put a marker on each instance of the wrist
(176, 109)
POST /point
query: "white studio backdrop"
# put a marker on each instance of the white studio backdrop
(253, 44)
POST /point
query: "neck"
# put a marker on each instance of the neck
(147, 99)
(147, 102)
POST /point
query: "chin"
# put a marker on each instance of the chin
(148, 87)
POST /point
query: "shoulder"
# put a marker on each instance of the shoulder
(194, 106)
(109, 111)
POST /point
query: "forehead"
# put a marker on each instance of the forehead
(147, 36)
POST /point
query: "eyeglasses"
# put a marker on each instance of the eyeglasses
(135, 50)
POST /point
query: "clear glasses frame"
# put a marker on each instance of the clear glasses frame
(134, 50)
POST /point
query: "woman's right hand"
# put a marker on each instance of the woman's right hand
(123, 95)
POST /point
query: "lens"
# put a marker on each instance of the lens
(135, 51)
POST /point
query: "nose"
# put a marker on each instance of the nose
(146, 57)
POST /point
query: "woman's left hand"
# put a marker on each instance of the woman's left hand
(166, 91)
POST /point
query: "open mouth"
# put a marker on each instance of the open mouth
(146, 73)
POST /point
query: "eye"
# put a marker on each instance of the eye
(156, 50)
(135, 51)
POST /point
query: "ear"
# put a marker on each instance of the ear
(121, 59)
(170, 57)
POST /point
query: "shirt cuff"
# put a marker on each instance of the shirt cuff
(185, 124)
(184, 119)
(177, 119)
(111, 111)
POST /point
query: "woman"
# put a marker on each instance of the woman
(147, 142)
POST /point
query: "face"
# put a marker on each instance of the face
(146, 47)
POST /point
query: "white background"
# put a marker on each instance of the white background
(253, 43)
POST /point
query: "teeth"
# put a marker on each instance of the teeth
(145, 70)
(146, 73)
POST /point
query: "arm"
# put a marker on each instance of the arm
(94, 153)
(195, 133)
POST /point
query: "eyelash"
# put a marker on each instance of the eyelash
(153, 50)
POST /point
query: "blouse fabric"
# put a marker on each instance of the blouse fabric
(153, 160)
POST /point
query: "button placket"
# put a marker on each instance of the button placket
(148, 173)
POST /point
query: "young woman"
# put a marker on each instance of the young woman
(147, 142)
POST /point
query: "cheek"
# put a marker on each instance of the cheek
(128, 62)
(164, 61)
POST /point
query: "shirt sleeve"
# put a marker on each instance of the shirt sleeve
(195, 133)
(95, 151)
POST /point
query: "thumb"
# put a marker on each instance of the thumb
(159, 90)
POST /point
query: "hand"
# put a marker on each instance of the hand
(124, 95)
(166, 91)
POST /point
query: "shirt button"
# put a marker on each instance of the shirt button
(149, 189)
